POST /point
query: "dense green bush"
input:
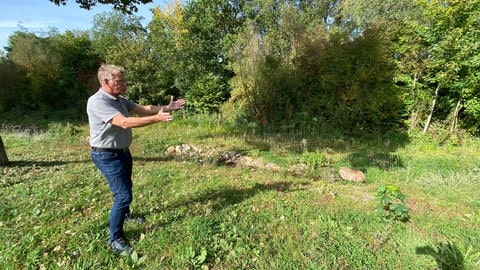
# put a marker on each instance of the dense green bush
(321, 78)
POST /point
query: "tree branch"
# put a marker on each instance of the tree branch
(125, 6)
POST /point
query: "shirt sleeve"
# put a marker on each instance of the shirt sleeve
(130, 105)
(103, 110)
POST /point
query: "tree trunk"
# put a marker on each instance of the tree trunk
(414, 120)
(3, 154)
(414, 116)
(455, 116)
(429, 120)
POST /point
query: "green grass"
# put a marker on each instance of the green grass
(204, 215)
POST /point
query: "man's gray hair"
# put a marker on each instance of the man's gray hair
(107, 71)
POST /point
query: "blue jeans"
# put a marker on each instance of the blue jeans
(117, 169)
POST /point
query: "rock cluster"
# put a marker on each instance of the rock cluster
(235, 158)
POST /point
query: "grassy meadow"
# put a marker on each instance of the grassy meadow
(286, 208)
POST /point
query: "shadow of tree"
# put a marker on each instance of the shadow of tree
(383, 160)
(20, 171)
(220, 198)
(362, 152)
(230, 196)
(447, 256)
(41, 163)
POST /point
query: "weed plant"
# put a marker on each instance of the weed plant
(204, 215)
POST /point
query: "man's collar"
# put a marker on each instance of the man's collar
(105, 93)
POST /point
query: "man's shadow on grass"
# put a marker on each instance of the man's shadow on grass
(447, 256)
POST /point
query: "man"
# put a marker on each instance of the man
(110, 137)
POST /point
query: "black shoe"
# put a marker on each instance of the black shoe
(120, 246)
(131, 218)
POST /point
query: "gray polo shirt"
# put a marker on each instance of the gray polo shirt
(101, 108)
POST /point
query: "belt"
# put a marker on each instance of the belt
(112, 150)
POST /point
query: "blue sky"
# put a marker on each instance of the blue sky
(39, 16)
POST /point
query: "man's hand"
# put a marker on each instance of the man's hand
(164, 116)
(176, 104)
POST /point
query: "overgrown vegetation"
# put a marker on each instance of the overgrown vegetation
(201, 214)
(313, 64)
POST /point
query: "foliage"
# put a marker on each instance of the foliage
(32, 54)
(439, 50)
(207, 93)
(358, 16)
(355, 93)
(354, 66)
(50, 73)
(296, 70)
(14, 83)
(164, 39)
(122, 40)
(192, 43)
(78, 70)
(110, 28)
(126, 6)
(126, 43)
(392, 203)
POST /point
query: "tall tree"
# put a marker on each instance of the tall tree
(193, 42)
(13, 86)
(42, 66)
(110, 28)
(438, 52)
(78, 75)
(122, 39)
(57, 68)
